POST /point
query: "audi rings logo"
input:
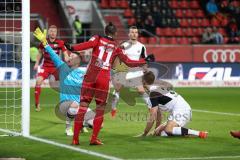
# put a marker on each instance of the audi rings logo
(221, 55)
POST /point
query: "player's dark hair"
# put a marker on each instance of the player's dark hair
(110, 29)
(148, 77)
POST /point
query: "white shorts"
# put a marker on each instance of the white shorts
(181, 113)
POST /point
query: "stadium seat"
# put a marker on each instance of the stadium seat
(123, 4)
(195, 40)
(199, 13)
(152, 40)
(173, 40)
(226, 39)
(189, 13)
(179, 13)
(159, 31)
(168, 31)
(222, 31)
(163, 40)
(224, 22)
(184, 23)
(183, 40)
(189, 32)
(184, 4)
(131, 21)
(143, 40)
(179, 32)
(174, 4)
(128, 13)
(104, 4)
(198, 31)
(194, 4)
(215, 22)
(113, 4)
(194, 22)
(205, 22)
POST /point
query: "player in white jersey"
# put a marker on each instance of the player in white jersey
(134, 50)
(163, 98)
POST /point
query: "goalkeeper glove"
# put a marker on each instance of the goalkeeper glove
(68, 46)
(150, 58)
(41, 36)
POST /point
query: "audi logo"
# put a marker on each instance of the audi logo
(221, 55)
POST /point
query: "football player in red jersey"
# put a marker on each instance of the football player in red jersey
(97, 78)
(47, 67)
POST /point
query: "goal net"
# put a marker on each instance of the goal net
(14, 66)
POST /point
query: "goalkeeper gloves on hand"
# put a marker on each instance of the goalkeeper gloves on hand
(150, 58)
(41, 36)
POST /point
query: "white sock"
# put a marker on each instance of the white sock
(177, 131)
(193, 132)
(146, 99)
(164, 134)
(115, 99)
(68, 122)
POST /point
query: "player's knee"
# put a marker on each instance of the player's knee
(39, 81)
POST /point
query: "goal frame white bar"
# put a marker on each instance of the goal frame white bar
(25, 68)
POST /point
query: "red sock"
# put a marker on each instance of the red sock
(37, 94)
(97, 123)
(78, 122)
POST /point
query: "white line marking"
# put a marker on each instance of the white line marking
(64, 146)
(193, 158)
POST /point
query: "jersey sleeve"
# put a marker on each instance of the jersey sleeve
(62, 46)
(86, 45)
(40, 46)
(127, 61)
(55, 58)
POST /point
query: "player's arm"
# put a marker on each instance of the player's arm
(83, 46)
(129, 62)
(38, 58)
(144, 55)
(152, 118)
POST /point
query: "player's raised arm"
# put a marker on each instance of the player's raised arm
(127, 61)
(85, 45)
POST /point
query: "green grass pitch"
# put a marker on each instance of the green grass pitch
(118, 133)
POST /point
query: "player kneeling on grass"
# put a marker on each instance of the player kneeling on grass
(163, 98)
(71, 77)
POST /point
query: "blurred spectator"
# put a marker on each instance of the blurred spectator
(211, 7)
(218, 37)
(207, 36)
(232, 28)
(149, 24)
(78, 29)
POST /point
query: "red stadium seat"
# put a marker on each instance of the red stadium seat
(198, 31)
(199, 13)
(189, 13)
(113, 4)
(159, 31)
(168, 32)
(194, 4)
(174, 4)
(205, 22)
(131, 21)
(128, 13)
(194, 22)
(226, 39)
(179, 13)
(104, 4)
(173, 40)
(224, 22)
(152, 40)
(215, 22)
(195, 40)
(143, 40)
(184, 40)
(179, 32)
(222, 31)
(184, 4)
(163, 40)
(123, 4)
(189, 32)
(184, 23)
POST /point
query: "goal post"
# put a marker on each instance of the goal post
(25, 68)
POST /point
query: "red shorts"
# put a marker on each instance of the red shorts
(98, 88)
(45, 72)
